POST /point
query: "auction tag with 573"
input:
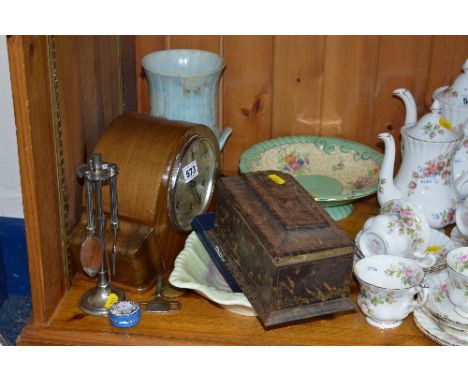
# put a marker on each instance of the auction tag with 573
(190, 171)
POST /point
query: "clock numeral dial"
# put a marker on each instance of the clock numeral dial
(194, 182)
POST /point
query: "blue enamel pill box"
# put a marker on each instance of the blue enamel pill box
(124, 314)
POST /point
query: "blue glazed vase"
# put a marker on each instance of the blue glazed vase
(183, 85)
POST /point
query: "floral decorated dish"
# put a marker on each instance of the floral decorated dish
(194, 269)
(437, 320)
(335, 171)
(436, 331)
(438, 304)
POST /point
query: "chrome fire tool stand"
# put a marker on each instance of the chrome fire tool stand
(95, 173)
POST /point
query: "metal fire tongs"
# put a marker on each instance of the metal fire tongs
(95, 173)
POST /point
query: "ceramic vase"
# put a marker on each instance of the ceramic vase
(183, 85)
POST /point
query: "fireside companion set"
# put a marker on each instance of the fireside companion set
(272, 247)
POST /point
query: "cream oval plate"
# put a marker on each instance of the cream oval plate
(194, 269)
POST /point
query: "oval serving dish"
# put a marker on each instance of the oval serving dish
(194, 269)
(335, 171)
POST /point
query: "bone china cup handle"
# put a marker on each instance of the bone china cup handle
(423, 294)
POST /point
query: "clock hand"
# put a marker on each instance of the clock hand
(193, 186)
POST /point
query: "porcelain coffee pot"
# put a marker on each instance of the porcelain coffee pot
(454, 98)
(425, 176)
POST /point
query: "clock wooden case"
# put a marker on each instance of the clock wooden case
(151, 153)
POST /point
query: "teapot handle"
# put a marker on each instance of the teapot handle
(460, 184)
(461, 218)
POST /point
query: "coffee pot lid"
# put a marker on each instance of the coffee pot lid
(457, 93)
(432, 127)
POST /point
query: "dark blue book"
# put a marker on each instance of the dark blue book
(203, 226)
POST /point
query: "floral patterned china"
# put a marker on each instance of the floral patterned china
(425, 175)
(398, 230)
(438, 305)
(408, 221)
(388, 286)
(335, 171)
(194, 269)
(457, 266)
(439, 245)
(454, 98)
(437, 332)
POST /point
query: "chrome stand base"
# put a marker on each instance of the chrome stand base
(94, 300)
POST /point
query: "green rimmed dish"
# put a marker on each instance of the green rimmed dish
(335, 171)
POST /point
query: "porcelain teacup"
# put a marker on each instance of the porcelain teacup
(398, 231)
(377, 237)
(457, 265)
(389, 289)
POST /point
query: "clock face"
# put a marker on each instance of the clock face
(192, 182)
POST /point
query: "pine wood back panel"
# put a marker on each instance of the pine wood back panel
(319, 85)
(298, 85)
(89, 99)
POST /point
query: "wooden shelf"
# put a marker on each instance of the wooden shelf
(201, 322)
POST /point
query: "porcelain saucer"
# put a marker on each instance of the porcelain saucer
(439, 245)
(439, 306)
(436, 331)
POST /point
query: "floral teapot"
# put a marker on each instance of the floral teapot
(425, 177)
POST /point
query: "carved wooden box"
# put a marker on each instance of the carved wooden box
(290, 258)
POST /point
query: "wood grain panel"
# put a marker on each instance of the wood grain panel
(30, 77)
(348, 88)
(209, 43)
(403, 63)
(247, 93)
(127, 51)
(89, 99)
(298, 80)
(143, 46)
(447, 58)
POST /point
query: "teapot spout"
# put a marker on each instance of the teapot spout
(387, 189)
(410, 105)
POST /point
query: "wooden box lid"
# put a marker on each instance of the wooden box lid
(283, 214)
